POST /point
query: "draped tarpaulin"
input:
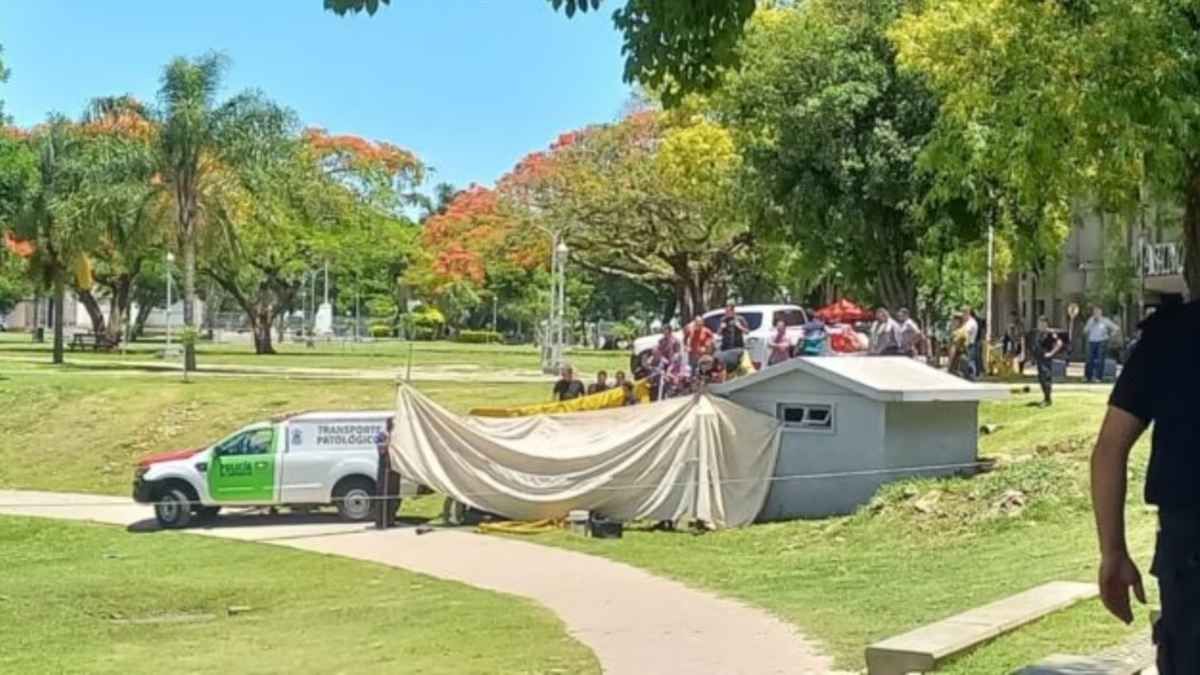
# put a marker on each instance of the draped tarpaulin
(699, 457)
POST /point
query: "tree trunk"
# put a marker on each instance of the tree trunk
(189, 297)
(1191, 236)
(94, 312)
(260, 323)
(139, 322)
(118, 307)
(60, 297)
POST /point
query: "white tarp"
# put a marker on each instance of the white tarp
(700, 457)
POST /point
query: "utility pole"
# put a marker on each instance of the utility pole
(991, 260)
(170, 259)
(561, 252)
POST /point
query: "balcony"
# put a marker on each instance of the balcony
(1162, 260)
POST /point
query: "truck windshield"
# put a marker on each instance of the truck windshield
(753, 320)
(790, 317)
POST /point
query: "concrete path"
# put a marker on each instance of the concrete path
(634, 622)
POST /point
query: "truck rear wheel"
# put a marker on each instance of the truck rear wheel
(354, 498)
(173, 509)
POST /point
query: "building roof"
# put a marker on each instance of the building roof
(883, 378)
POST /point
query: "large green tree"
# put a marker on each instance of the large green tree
(673, 46)
(1057, 101)
(43, 214)
(202, 144)
(116, 175)
(832, 133)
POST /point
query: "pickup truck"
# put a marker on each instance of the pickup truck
(760, 319)
(303, 460)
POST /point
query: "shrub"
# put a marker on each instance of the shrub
(423, 323)
(479, 337)
(381, 330)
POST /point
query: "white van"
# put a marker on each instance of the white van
(309, 459)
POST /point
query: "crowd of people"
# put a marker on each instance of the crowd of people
(681, 364)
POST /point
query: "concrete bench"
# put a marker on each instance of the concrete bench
(1060, 664)
(922, 649)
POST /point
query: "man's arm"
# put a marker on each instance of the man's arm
(1110, 459)
(1058, 345)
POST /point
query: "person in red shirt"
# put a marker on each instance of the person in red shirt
(699, 341)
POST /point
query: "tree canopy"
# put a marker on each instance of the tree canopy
(673, 47)
(1060, 101)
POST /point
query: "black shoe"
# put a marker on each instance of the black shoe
(1044, 404)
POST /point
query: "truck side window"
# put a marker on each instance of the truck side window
(257, 442)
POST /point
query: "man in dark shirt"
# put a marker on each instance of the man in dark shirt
(600, 385)
(1157, 385)
(567, 388)
(733, 330)
(1045, 346)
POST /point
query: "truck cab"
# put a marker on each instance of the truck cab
(305, 460)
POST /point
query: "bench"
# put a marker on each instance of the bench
(1089, 665)
(921, 650)
(96, 342)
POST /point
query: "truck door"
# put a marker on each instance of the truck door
(243, 468)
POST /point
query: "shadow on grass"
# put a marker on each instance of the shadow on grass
(245, 520)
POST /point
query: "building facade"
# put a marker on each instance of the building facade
(1099, 256)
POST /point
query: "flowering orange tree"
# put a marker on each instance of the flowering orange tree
(647, 199)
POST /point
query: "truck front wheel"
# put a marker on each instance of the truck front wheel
(173, 509)
(354, 499)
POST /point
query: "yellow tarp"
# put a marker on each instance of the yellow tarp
(613, 398)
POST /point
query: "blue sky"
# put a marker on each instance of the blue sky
(470, 85)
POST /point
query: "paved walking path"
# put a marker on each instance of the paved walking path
(633, 621)
(426, 373)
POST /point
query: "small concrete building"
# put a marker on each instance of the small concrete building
(852, 424)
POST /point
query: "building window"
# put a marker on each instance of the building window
(806, 416)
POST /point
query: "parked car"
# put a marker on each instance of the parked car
(310, 459)
(760, 319)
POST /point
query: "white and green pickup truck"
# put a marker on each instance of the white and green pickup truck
(303, 460)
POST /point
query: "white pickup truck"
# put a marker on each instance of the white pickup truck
(760, 319)
(303, 460)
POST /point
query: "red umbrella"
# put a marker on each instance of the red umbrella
(844, 311)
(20, 247)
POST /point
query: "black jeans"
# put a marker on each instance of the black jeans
(1177, 566)
(1045, 376)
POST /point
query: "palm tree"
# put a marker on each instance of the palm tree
(200, 141)
(43, 215)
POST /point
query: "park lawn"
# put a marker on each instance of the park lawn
(925, 549)
(97, 599)
(376, 355)
(72, 431)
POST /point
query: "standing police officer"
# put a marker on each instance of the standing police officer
(1159, 384)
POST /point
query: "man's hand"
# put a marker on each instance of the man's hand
(1118, 574)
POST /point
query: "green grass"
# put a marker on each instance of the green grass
(91, 428)
(392, 355)
(96, 599)
(923, 549)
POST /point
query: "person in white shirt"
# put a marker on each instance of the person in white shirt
(1099, 331)
(885, 335)
(911, 338)
(970, 329)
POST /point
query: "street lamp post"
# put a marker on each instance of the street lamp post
(170, 259)
(561, 252)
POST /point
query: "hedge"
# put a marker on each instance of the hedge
(479, 337)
